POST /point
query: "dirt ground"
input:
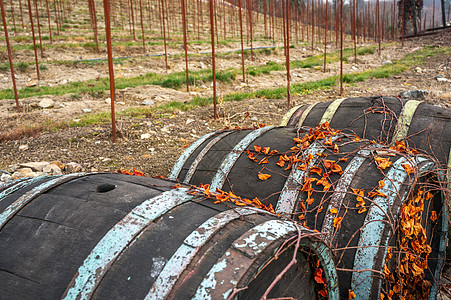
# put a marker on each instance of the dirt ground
(169, 132)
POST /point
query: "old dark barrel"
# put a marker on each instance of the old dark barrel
(359, 232)
(111, 236)
(383, 119)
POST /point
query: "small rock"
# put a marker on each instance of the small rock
(86, 110)
(243, 84)
(387, 62)
(147, 102)
(6, 178)
(58, 163)
(152, 150)
(72, 167)
(108, 100)
(46, 103)
(32, 83)
(189, 121)
(107, 160)
(297, 75)
(145, 136)
(418, 70)
(414, 94)
(37, 166)
(64, 81)
(52, 169)
(202, 65)
(165, 129)
(441, 78)
(23, 147)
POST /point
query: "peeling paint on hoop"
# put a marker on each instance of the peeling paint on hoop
(186, 154)
(371, 233)
(116, 240)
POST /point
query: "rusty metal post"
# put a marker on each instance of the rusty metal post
(21, 14)
(313, 23)
(212, 29)
(249, 8)
(48, 18)
(288, 53)
(241, 36)
(341, 47)
(403, 23)
(142, 25)
(133, 19)
(354, 34)
(34, 39)
(12, 14)
(9, 56)
(56, 18)
(39, 27)
(325, 40)
(185, 43)
(106, 8)
(164, 35)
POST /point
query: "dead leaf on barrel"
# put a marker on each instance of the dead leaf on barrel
(381, 184)
(333, 211)
(362, 210)
(323, 293)
(266, 150)
(319, 275)
(433, 216)
(376, 193)
(337, 221)
(351, 295)
(257, 148)
(328, 163)
(185, 146)
(408, 168)
(263, 161)
(328, 142)
(316, 170)
(252, 157)
(383, 162)
(273, 152)
(262, 176)
(336, 169)
(207, 189)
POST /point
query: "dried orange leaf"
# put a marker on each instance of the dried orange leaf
(257, 148)
(328, 142)
(280, 163)
(351, 295)
(262, 176)
(334, 211)
(377, 193)
(336, 149)
(337, 221)
(263, 161)
(381, 184)
(362, 210)
(408, 168)
(328, 163)
(433, 216)
(320, 209)
(310, 200)
(302, 167)
(323, 293)
(336, 169)
(383, 162)
(266, 150)
(316, 170)
(273, 152)
(343, 159)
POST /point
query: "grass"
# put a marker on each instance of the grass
(385, 71)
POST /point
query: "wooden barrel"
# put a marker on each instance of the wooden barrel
(383, 119)
(111, 236)
(238, 160)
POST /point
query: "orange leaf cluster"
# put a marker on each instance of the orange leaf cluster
(134, 173)
(262, 176)
(408, 281)
(360, 202)
(320, 279)
(383, 162)
(220, 196)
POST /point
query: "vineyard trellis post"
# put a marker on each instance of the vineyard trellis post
(5, 27)
(106, 7)
(212, 30)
